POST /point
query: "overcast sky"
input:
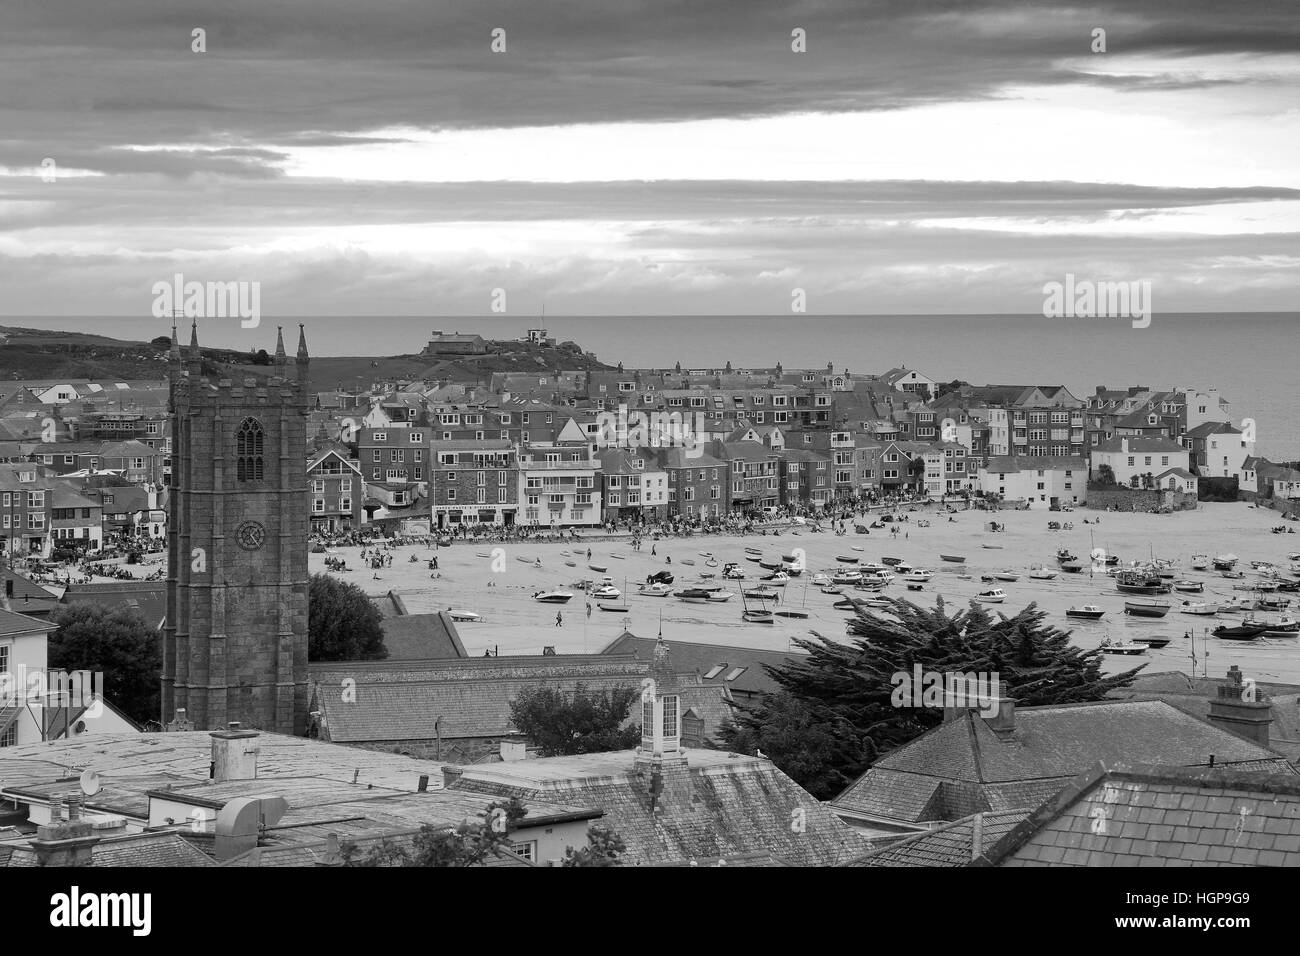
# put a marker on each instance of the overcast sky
(377, 157)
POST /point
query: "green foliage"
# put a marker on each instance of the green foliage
(468, 844)
(343, 624)
(1106, 476)
(604, 847)
(560, 724)
(118, 642)
(834, 715)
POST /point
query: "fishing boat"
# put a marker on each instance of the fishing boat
(1272, 602)
(1041, 573)
(1072, 567)
(770, 564)
(1234, 575)
(618, 556)
(891, 561)
(1198, 607)
(1112, 560)
(1140, 582)
(1235, 605)
(1007, 575)
(847, 577)
(1146, 608)
(607, 592)
(779, 578)
(1065, 555)
(757, 616)
(1283, 629)
(846, 559)
(693, 596)
(570, 564)
(1189, 587)
(522, 560)
(875, 602)
(845, 605)
(790, 558)
(689, 562)
(599, 568)
(954, 558)
(705, 554)
(1225, 562)
(756, 558)
(763, 591)
(1154, 642)
(1200, 562)
(553, 597)
(654, 590)
(790, 612)
(484, 554)
(619, 607)
(919, 574)
(903, 568)
(464, 616)
(1128, 647)
(1245, 631)
(821, 579)
(992, 547)
(992, 596)
(1089, 612)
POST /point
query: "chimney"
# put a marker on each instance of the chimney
(1003, 720)
(234, 754)
(1241, 709)
(1123, 445)
(450, 775)
(65, 843)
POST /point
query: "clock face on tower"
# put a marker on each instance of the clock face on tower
(250, 535)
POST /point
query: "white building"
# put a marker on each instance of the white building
(559, 486)
(1049, 481)
(1130, 459)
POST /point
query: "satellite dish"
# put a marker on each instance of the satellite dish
(89, 782)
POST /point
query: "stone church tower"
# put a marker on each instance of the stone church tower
(235, 639)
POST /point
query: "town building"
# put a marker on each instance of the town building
(474, 483)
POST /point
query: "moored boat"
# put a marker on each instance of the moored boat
(790, 612)
(954, 558)
(655, 590)
(1244, 631)
(918, 574)
(1224, 562)
(598, 568)
(1154, 642)
(1041, 573)
(619, 608)
(1202, 608)
(1189, 587)
(1146, 608)
(1007, 575)
(693, 595)
(757, 617)
(1200, 562)
(464, 616)
(1072, 567)
(1140, 582)
(1128, 647)
(763, 591)
(992, 596)
(553, 597)
(718, 596)
(1089, 612)
(846, 559)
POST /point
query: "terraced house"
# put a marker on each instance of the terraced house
(337, 490)
(634, 485)
(25, 506)
(560, 486)
(698, 484)
(754, 473)
(474, 483)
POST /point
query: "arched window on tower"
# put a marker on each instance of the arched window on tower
(248, 450)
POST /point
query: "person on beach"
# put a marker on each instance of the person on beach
(588, 609)
(559, 619)
(652, 550)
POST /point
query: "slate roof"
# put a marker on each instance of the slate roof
(955, 844)
(422, 637)
(1139, 446)
(28, 597)
(149, 597)
(403, 700)
(13, 624)
(1115, 815)
(718, 805)
(703, 659)
(962, 766)
(167, 849)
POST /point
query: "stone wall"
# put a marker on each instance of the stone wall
(1126, 499)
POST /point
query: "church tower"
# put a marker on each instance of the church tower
(235, 640)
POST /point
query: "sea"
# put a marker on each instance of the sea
(1250, 357)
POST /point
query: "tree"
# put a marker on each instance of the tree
(162, 341)
(467, 844)
(261, 357)
(585, 722)
(117, 642)
(943, 388)
(1106, 476)
(844, 691)
(343, 624)
(604, 847)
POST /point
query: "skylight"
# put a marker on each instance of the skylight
(714, 672)
(736, 673)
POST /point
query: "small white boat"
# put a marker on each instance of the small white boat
(1189, 587)
(1041, 573)
(1203, 608)
(780, 579)
(1089, 612)
(757, 617)
(821, 579)
(705, 554)
(618, 556)
(791, 612)
(655, 590)
(718, 596)
(754, 551)
(553, 597)
(617, 608)
(1129, 647)
(1007, 575)
(464, 616)
(484, 554)
(1200, 562)
(847, 577)
(522, 560)
(856, 548)
(918, 575)
(607, 592)
(992, 596)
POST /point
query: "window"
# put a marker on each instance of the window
(248, 450)
(670, 715)
(451, 494)
(715, 671)
(501, 496)
(345, 504)
(318, 504)
(527, 851)
(379, 436)
(417, 437)
(377, 456)
(736, 673)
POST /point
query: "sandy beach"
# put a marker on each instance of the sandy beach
(516, 624)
